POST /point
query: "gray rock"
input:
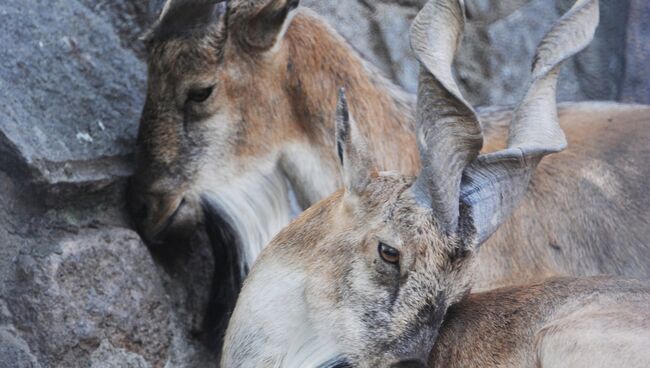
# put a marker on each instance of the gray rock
(511, 44)
(394, 22)
(14, 352)
(69, 92)
(601, 66)
(637, 78)
(108, 356)
(99, 284)
(99, 292)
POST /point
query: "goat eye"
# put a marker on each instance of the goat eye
(388, 253)
(199, 95)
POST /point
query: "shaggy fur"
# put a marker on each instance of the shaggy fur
(376, 276)
(585, 213)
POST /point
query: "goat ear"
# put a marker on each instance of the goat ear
(258, 25)
(494, 183)
(356, 163)
(180, 17)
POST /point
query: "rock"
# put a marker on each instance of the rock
(394, 22)
(108, 356)
(71, 95)
(97, 285)
(14, 352)
(600, 67)
(507, 45)
(98, 294)
(637, 79)
(488, 11)
(128, 18)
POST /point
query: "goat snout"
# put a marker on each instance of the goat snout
(153, 213)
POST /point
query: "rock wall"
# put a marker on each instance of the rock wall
(501, 37)
(78, 288)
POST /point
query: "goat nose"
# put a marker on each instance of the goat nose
(411, 363)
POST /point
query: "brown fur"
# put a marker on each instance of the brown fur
(598, 235)
(366, 277)
(318, 73)
(333, 245)
(508, 327)
(586, 213)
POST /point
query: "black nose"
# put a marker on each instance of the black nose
(412, 363)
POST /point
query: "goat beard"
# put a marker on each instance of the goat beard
(240, 220)
(256, 208)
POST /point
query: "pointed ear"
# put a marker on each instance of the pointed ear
(258, 25)
(184, 17)
(357, 166)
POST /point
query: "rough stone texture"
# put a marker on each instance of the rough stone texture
(501, 37)
(14, 352)
(97, 285)
(77, 287)
(107, 356)
(69, 92)
(636, 86)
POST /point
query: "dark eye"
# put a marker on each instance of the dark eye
(199, 95)
(388, 253)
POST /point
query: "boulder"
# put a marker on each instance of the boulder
(97, 285)
(70, 93)
(98, 294)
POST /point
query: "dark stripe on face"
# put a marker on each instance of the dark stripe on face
(428, 321)
(422, 329)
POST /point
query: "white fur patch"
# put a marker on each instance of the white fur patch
(314, 176)
(598, 174)
(308, 350)
(254, 193)
(270, 326)
(260, 206)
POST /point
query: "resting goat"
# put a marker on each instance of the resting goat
(240, 105)
(378, 273)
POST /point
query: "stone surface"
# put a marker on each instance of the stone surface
(97, 285)
(108, 356)
(77, 286)
(14, 352)
(393, 22)
(70, 93)
(637, 63)
(100, 293)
